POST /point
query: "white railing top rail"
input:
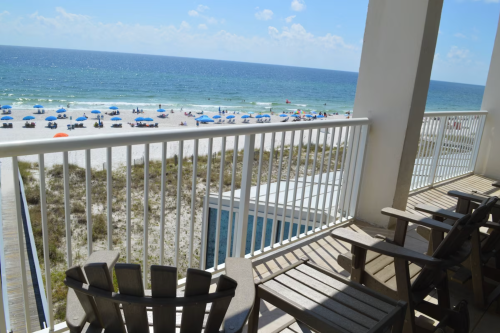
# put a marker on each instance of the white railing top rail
(43, 146)
(454, 113)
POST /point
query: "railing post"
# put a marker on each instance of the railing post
(437, 150)
(477, 143)
(358, 171)
(246, 184)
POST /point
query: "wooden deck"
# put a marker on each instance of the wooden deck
(12, 258)
(323, 250)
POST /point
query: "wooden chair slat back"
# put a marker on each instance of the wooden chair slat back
(130, 283)
(197, 283)
(219, 308)
(98, 276)
(164, 284)
(87, 302)
(454, 247)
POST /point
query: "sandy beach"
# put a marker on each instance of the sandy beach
(98, 157)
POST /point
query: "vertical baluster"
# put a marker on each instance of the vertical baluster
(295, 188)
(162, 204)
(231, 200)
(429, 151)
(88, 192)
(420, 178)
(304, 182)
(277, 196)
(321, 166)
(476, 127)
(330, 154)
(462, 139)
(353, 175)
(341, 172)
(268, 190)
(219, 205)
(204, 231)
(45, 237)
(179, 203)
(347, 169)
(450, 144)
(312, 185)
(246, 184)
(146, 215)
(20, 239)
(467, 145)
(477, 141)
(435, 170)
(193, 203)
(257, 195)
(418, 159)
(129, 203)
(287, 187)
(109, 201)
(67, 210)
(457, 142)
(334, 180)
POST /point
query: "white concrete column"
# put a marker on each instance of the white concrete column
(396, 63)
(488, 160)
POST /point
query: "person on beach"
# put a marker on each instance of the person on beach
(159, 106)
(85, 116)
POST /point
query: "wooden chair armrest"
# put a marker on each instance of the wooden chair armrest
(417, 219)
(467, 196)
(368, 243)
(436, 211)
(240, 270)
(493, 225)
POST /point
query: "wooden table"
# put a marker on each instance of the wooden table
(326, 301)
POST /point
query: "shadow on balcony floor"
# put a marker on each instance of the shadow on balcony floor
(323, 250)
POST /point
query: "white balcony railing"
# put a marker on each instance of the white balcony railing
(278, 182)
(448, 146)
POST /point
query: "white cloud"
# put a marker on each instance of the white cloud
(264, 15)
(289, 19)
(193, 13)
(293, 46)
(458, 55)
(298, 5)
(460, 35)
(4, 13)
(202, 26)
(202, 8)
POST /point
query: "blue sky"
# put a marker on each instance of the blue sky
(320, 34)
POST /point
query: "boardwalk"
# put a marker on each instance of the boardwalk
(12, 258)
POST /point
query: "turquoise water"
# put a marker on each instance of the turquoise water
(96, 80)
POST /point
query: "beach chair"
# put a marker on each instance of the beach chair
(484, 261)
(400, 273)
(69, 126)
(229, 305)
(5, 125)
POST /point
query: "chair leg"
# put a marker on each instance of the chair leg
(477, 271)
(253, 320)
(443, 293)
(404, 293)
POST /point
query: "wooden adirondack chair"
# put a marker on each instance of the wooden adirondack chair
(410, 276)
(229, 305)
(485, 246)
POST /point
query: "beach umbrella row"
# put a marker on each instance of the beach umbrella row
(6, 118)
(139, 119)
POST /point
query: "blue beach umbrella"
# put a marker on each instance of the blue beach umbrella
(283, 115)
(313, 112)
(139, 119)
(308, 116)
(116, 118)
(113, 108)
(204, 119)
(295, 115)
(148, 119)
(320, 116)
(7, 118)
(230, 117)
(266, 115)
(51, 118)
(95, 111)
(245, 116)
(160, 110)
(38, 106)
(28, 118)
(61, 111)
(7, 107)
(216, 116)
(81, 119)
(258, 116)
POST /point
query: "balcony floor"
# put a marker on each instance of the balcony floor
(323, 250)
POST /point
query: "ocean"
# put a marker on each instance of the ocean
(87, 80)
